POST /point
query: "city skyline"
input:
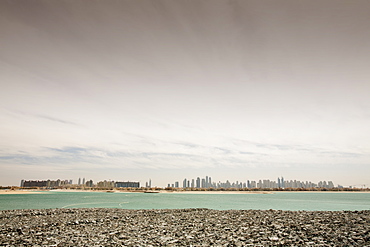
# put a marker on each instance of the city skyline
(194, 183)
(168, 89)
(206, 182)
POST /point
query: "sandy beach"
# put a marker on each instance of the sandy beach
(8, 192)
(216, 192)
(123, 191)
(170, 192)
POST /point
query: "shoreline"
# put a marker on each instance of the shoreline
(217, 192)
(18, 192)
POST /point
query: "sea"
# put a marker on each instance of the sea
(308, 201)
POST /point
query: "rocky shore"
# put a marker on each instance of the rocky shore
(183, 227)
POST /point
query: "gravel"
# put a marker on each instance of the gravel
(183, 227)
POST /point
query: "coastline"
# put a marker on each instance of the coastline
(15, 192)
(5, 192)
(216, 192)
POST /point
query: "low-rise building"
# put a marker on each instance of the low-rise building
(127, 184)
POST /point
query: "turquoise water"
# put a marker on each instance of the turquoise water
(277, 201)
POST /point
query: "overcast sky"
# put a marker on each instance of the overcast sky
(133, 90)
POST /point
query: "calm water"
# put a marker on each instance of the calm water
(278, 201)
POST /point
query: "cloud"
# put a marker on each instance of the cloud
(69, 150)
(55, 119)
(339, 154)
(17, 157)
(252, 153)
(43, 116)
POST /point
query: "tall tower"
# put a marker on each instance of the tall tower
(79, 181)
(184, 183)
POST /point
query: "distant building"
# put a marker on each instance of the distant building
(127, 184)
(330, 185)
(34, 183)
(44, 183)
(89, 183)
(184, 183)
(105, 184)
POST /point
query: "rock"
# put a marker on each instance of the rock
(182, 227)
(20, 232)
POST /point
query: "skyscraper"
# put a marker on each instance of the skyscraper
(184, 183)
(198, 182)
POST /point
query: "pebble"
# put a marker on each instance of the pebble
(183, 227)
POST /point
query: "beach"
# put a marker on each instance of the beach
(183, 227)
(5, 192)
(214, 192)
(127, 191)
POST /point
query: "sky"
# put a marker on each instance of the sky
(167, 90)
